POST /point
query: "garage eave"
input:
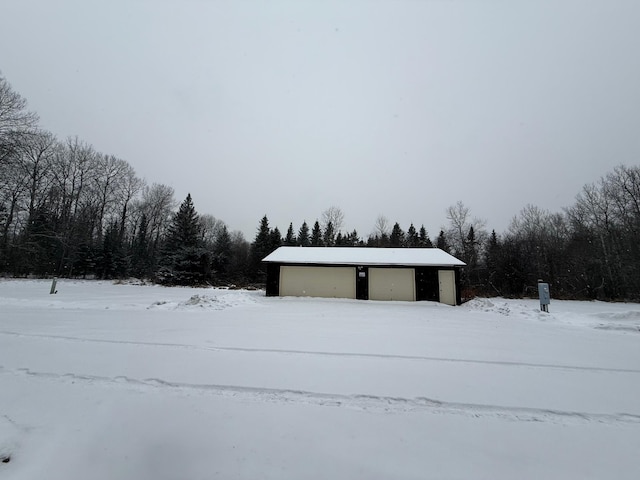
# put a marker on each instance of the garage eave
(364, 256)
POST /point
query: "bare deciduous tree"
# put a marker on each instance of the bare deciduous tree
(335, 216)
(157, 204)
(35, 160)
(130, 188)
(108, 190)
(609, 210)
(210, 228)
(381, 227)
(15, 120)
(460, 226)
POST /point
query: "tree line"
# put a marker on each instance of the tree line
(69, 210)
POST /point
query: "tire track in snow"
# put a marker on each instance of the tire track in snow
(328, 354)
(361, 402)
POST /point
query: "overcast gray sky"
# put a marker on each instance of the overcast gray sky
(399, 108)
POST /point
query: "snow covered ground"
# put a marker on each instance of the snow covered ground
(105, 381)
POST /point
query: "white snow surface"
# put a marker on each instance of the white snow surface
(364, 256)
(106, 381)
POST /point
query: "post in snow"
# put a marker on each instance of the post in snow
(53, 286)
(544, 295)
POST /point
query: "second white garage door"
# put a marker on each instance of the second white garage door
(392, 284)
(328, 282)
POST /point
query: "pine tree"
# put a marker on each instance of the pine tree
(140, 258)
(353, 239)
(112, 262)
(471, 249)
(316, 235)
(290, 239)
(303, 235)
(423, 238)
(383, 240)
(275, 239)
(329, 237)
(396, 239)
(222, 253)
(411, 239)
(184, 260)
(492, 262)
(260, 248)
(184, 230)
(442, 242)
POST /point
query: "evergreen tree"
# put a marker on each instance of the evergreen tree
(340, 240)
(316, 235)
(492, 261)
(184, 230)
(112, 261)
(329, 236)
(41, 247)
(140, 258)
(263, 235)
(378, 240)
(411, 239)
(383, 240)
(471, 249)
(442, 242)
(469, 254)
(184, 260)
(514, 264)
(396, 239)
(260, 248)
(303, 235)
(222, 253)
(290, 239)
(423, 238)
(275, 239)
(353, 239)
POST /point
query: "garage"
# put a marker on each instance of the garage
(363, 273)
(392, 284)
(328, 282)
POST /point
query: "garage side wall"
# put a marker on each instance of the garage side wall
(273, 279)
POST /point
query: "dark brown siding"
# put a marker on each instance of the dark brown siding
(362, 283)
(273, 279)
(427, 286)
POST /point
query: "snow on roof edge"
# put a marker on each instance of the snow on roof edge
(364, 256)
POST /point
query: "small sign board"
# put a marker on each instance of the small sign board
(544, 295)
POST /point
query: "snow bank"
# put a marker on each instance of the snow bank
(206, 302)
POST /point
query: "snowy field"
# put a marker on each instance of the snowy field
(105, 381)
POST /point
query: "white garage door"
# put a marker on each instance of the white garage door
(328, 282)
(392, 284)
(447, 283)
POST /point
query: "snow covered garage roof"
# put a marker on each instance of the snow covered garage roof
(364, 256)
